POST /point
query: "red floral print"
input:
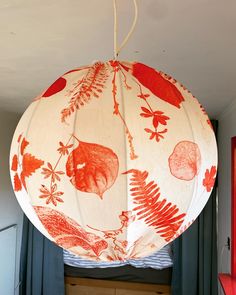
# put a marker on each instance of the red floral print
(23, 145)
(92, 168)
(116, 111)
(158, 116)
(17, 183)
(160, 214)
(26, 167)
(64, 149)
(210, 177)
(67, 233)
(157, 84)
(52, 195)
(56, 87)
(185, 161)
(155, 135)
(14, 165)
(50, 172)
(90, 86)
(126, 218)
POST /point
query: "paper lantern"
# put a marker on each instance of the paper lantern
(114, 160)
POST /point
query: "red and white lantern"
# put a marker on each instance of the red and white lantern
(113, 161)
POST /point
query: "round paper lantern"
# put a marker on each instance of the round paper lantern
(113, 161)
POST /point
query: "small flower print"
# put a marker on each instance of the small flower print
(154, 134)
(158, 117)
(210, 177)
(64, 149)
(51, 194)
(50, 172)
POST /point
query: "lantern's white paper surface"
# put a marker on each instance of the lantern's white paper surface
(113, 161)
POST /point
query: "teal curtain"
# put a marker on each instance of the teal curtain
(42, 267)
(195, 253)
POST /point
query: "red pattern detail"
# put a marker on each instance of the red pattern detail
(119, 244)
(17, 183)
(50, 172)
(116, 69)
(185, 161)
(155, 212)
(64, 149)
(68, 233)
(56, 87)
(14, 165)
(90, 86)
(210, 177)
(52, 195)
(23, 145)
(26, 166)
(157, 84)
(92, 168)
(182, 229)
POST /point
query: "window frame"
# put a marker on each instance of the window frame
(233, 206)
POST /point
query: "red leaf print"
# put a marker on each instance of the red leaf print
(29, 165)
(17, 183)
(210, 177)
(157, 84)
(163, 216)
(57, 86)
(185, 161)
(91, 86)
(68, 233)
(92, 168)
(14, 164)
(24, 144)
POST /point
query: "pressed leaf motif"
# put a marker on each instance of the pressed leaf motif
(57, 86)
(90, 86)
(67, 233)
(92, 168)
(185, 161)
(158, 213)
(157, 84)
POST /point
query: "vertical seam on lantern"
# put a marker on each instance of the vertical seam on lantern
(195, 178)
(75, 189)
(126, 148)
(28, 127)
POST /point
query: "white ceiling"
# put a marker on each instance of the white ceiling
(192, 40)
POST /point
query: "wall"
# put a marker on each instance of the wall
(227, 129)
(10, 212)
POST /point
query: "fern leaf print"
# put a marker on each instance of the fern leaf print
(90, 86)
(156, 212)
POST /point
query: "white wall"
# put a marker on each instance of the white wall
(227, 129)
(10, 212)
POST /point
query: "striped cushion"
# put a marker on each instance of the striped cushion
(159, 260)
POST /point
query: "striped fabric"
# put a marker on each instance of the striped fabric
(160, 260)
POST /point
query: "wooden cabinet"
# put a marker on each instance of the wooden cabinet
(79, 286)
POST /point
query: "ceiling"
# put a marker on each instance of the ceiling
(188, 39)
